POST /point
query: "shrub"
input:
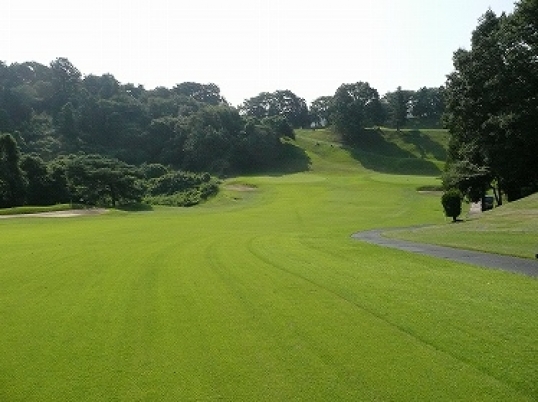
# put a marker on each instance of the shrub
(451, 201)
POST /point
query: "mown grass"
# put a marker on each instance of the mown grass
(260, 294)
(37, 209)
(511, 229)
(417, 152)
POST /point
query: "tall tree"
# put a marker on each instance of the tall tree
(398, 104)
(427, 103)
(12, 181)
(66, 79)
(39, 186)
(491, 104)
(320, 110)
(354, 107)
(282, 103)
(204, 93)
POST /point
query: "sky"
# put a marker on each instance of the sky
(248, 46)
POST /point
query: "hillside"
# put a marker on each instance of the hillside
(410, 152)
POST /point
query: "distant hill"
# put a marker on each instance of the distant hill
(410, 151)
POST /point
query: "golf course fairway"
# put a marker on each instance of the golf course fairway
(260, 295)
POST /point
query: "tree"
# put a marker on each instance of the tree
(66, 79)
(204, 93)
(38, 189)
(104, 86)
(94, 179)
(398, 105)
(320, 111)
(451, 201)
(279, 103)
(427, 103)
(211, 136)
(354, 107)
(491, 102)
(12, 181)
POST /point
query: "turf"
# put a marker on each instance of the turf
(260, 294)
(511, 229)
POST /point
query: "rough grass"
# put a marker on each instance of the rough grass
(511, 229)
(260, 295)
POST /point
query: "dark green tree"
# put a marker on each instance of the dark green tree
(398, 105)
(355, 107)
(451, 201)
(428, 103)
(283, 103)
(204, 93)
(94, 179)
(491, 103)
(12, 181)
(320, 111)
(66, 80)
(38, 189)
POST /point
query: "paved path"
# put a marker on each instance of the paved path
(495, 261)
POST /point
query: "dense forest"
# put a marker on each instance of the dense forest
(67, 131)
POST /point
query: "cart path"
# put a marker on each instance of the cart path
(494, 261)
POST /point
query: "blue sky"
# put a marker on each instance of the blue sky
(249, 46)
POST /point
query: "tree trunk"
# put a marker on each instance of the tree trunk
(497, 192)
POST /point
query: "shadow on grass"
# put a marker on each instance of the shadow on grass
(376, 153)
(425, 145)
(137, 207)
(292, 159)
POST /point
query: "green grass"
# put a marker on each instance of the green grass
(511, 229)
(412, 151)
(260, 294)
(35, 209)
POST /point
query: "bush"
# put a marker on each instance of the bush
(451, 201)
(181, 189)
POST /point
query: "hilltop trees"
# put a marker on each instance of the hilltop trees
(53, 110)
(428, 103)
(320, 110)
(491, 107)
(354, 107)
(279, 103)
(398, 106)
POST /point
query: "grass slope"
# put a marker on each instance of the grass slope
(415, 151)
(260, 294)
(511, 229)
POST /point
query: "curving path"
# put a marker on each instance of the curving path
(487, 260)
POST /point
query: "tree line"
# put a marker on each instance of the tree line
(55, 110)
(65, 124)
(91, 179)
(492, 108)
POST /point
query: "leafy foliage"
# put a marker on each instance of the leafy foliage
(279, 103)
(354, 107)
(491, 106)
(12, 181)
(451, 201)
